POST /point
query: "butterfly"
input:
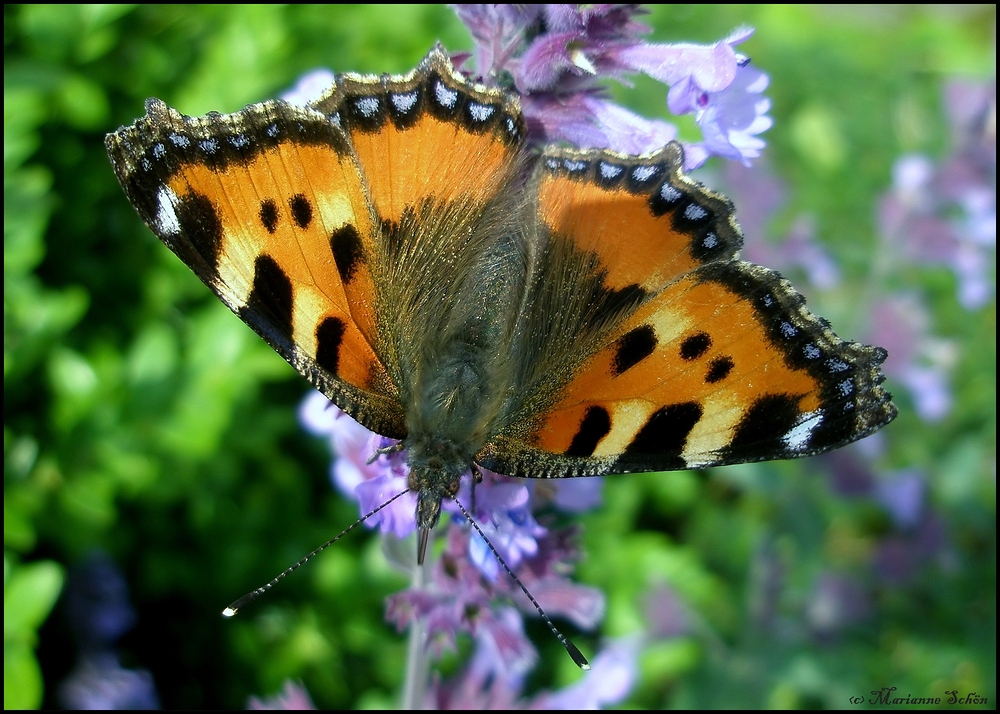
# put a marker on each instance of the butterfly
(537, 312)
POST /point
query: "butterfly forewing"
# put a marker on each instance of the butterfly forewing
(429, 136)
(255, 203)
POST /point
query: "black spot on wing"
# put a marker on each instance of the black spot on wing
(695, 346)
(348, 253)
(269, 215)
(609, 304)
(633, 347)
(594, 426)
(329, 335)
(760, 431)
(301, 210)
(199, 220)
(847, 374)
(270, 297)
(718, 369)
(665, 433)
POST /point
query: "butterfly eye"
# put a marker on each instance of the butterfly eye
(453, 487)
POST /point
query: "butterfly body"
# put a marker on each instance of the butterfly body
(537, 312)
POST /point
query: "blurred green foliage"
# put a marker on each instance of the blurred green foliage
(141, 417)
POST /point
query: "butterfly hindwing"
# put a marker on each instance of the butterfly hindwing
(264, 205)
(716, 360)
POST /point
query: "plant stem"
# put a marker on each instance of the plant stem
(418, 664)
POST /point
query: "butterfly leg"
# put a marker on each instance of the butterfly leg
(386, 451)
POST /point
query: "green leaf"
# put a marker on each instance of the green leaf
(22, 679)
(29, 593)
(28, 597)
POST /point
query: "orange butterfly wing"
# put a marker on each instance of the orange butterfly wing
(319, 226)
(265, 205)
(715, 361)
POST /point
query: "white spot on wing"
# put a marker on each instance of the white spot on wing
(609, 171)
(788, 330)
(446, 96)
(574, 165)
(643, 173)
(367, 106)
(404, 102)
(797, 438)
(694, 212)
(480, 112)
(710, 241)
(166, 214)
(837, 365)
(669, 193)
(179, 140)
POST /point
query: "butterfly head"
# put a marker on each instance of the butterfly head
(436, 469)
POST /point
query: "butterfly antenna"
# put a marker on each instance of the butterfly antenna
(238, 605)
(570, 648)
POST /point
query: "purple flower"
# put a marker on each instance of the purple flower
(490, 680)
(718, 86)
(572, 495)
(588, 120)
(918, 360)
(731, 119)
(97, 603)
(371, 484)
(458, 599)
(946, 213)
(503, 514)
(99, 612)
(759, 195)
(100, 682)
(613, 674)
(557, 56)
(309, 87)
(903, 555)
(903, 495)
(484, 685)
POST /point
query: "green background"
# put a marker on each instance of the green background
(143, 418)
